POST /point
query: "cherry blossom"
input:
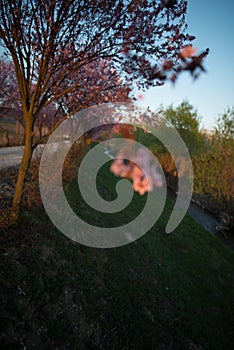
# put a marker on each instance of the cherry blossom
(188, 51)
(140, 168)
(121, 167)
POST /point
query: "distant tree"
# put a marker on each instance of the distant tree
(225, 124)
(10, 102)
(222, 142)
(9, 92)
(96, 83)
(187, 122)
(214, 170)
(50, 40)
(48, 118)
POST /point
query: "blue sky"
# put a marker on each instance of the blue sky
(211, 21)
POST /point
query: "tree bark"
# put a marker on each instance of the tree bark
(6, 140)
(24, 166)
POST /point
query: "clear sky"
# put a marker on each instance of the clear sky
(212, 22)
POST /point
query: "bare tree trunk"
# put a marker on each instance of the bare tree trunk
(6, 140)
(40, 131)
(25, 163)
(83, 142)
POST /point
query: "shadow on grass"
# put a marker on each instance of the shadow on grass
(161, 292)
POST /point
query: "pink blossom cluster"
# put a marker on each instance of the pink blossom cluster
(188, 52)
(140, 168)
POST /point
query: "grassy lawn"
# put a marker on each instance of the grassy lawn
(163, 291)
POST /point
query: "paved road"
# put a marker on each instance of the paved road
(11, 156)
(202, 217)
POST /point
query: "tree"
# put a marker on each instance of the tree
(49, 41)
(214, 171)
(225, 125)
(47, 119)
(96, 83)
(187, 122)
(9, 92)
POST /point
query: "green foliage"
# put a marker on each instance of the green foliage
(214, 169)
(225, 125)
(183, 117)
(214, 177)
(212, 157)
(149, 141)
(186, 120)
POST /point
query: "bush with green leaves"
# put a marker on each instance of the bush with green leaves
(212, 157)
(214, 169)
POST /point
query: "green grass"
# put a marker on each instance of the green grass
(161, 292)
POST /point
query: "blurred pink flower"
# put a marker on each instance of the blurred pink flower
(141, 186)
(140, 96)
(140, 169)
(120, 167)
(188, 51)
(136, 173)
